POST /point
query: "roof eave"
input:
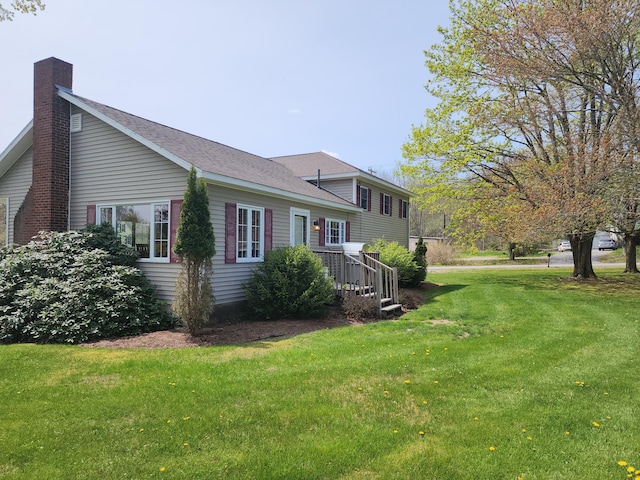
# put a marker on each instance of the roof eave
(17, 148)
(275, 192)
(359, 174)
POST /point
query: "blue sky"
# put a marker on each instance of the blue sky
(271, 77)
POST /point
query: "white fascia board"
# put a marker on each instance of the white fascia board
(360, 174)
(275, 192)
(16, 148)
(130, 133)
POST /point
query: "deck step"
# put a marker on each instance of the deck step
(391, 308)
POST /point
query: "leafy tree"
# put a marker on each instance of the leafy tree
(195, 243)
(20, 6)
(528, 106)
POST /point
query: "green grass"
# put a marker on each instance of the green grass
(521, 361)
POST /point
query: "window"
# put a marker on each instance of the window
(4, 222)
(249, 238)
(144, 227)
(334, 232)
(404, 209)
(385, 204)
(364, 198)
(299, 226)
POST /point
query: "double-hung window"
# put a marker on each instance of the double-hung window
(364, 198)
(334, 232)
(404, 209)
(385, 207)
(250, 234)
(142, 226)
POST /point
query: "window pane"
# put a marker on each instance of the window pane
(300, 230)
(161, 230)
(364, 198)
(133, 227)
(255, 233)
(243, 232)
(106, 215)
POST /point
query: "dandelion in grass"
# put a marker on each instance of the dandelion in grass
(567, 433)
(630, 469)
(162, 469)
(475, 419)
(595, 424)
(622, 463)
(185, 444)
(407, 381)
(168, 421)
(421, 433)
(492, 448)
(185, 418)
(529, 438)
(395, 431)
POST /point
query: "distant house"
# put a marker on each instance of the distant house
(81, 162)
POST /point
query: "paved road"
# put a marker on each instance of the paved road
(558, 260)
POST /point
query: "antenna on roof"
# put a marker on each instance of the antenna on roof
(371, 171)
(318, 184)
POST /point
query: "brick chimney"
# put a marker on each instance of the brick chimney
(46, 206)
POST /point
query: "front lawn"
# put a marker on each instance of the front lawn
(501, 374)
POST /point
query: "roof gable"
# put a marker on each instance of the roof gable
(214, 161)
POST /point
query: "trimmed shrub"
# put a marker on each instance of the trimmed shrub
(290, 282)
(60, 289)
(420, 257)
(395, 255)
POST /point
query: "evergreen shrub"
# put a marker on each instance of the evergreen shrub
(60, 288)
(290, 282)
(395, 255)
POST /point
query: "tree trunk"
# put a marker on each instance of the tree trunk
(512, 251)
(630, 257)
(581, 245)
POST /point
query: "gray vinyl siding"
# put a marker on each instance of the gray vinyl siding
(14, 185)
(341, 188)
(109, 167)
(229, 277)
(373, 225)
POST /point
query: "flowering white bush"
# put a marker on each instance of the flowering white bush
(60, 288)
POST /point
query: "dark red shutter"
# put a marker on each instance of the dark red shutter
(369, 201)
(176, 208)
(91, 214)
(358, 195)
(230, 233)
(347, 232)
(268, 229)
(321, 232)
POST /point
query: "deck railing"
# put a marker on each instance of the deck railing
(362, 276)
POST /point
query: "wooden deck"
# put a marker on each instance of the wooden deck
(363, 276)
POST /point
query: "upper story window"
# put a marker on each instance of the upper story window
(404, 209)
(385, 204)
(144, 227)
(334, 232)
(250, 233)
(364, 198)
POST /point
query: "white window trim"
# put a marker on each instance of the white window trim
(152, 224)
(365, 196)
(386, 211)
(248, 259)
(342, 230)
(299, 212)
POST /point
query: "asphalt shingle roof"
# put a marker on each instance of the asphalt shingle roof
(214, 157)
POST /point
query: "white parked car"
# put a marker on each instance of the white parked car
(564, 246)
(607, 244)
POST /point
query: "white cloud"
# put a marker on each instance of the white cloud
(333, 154)
(294, 111)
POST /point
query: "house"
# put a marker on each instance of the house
(81, 162)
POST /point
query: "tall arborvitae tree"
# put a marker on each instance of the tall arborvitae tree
(195, 244)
